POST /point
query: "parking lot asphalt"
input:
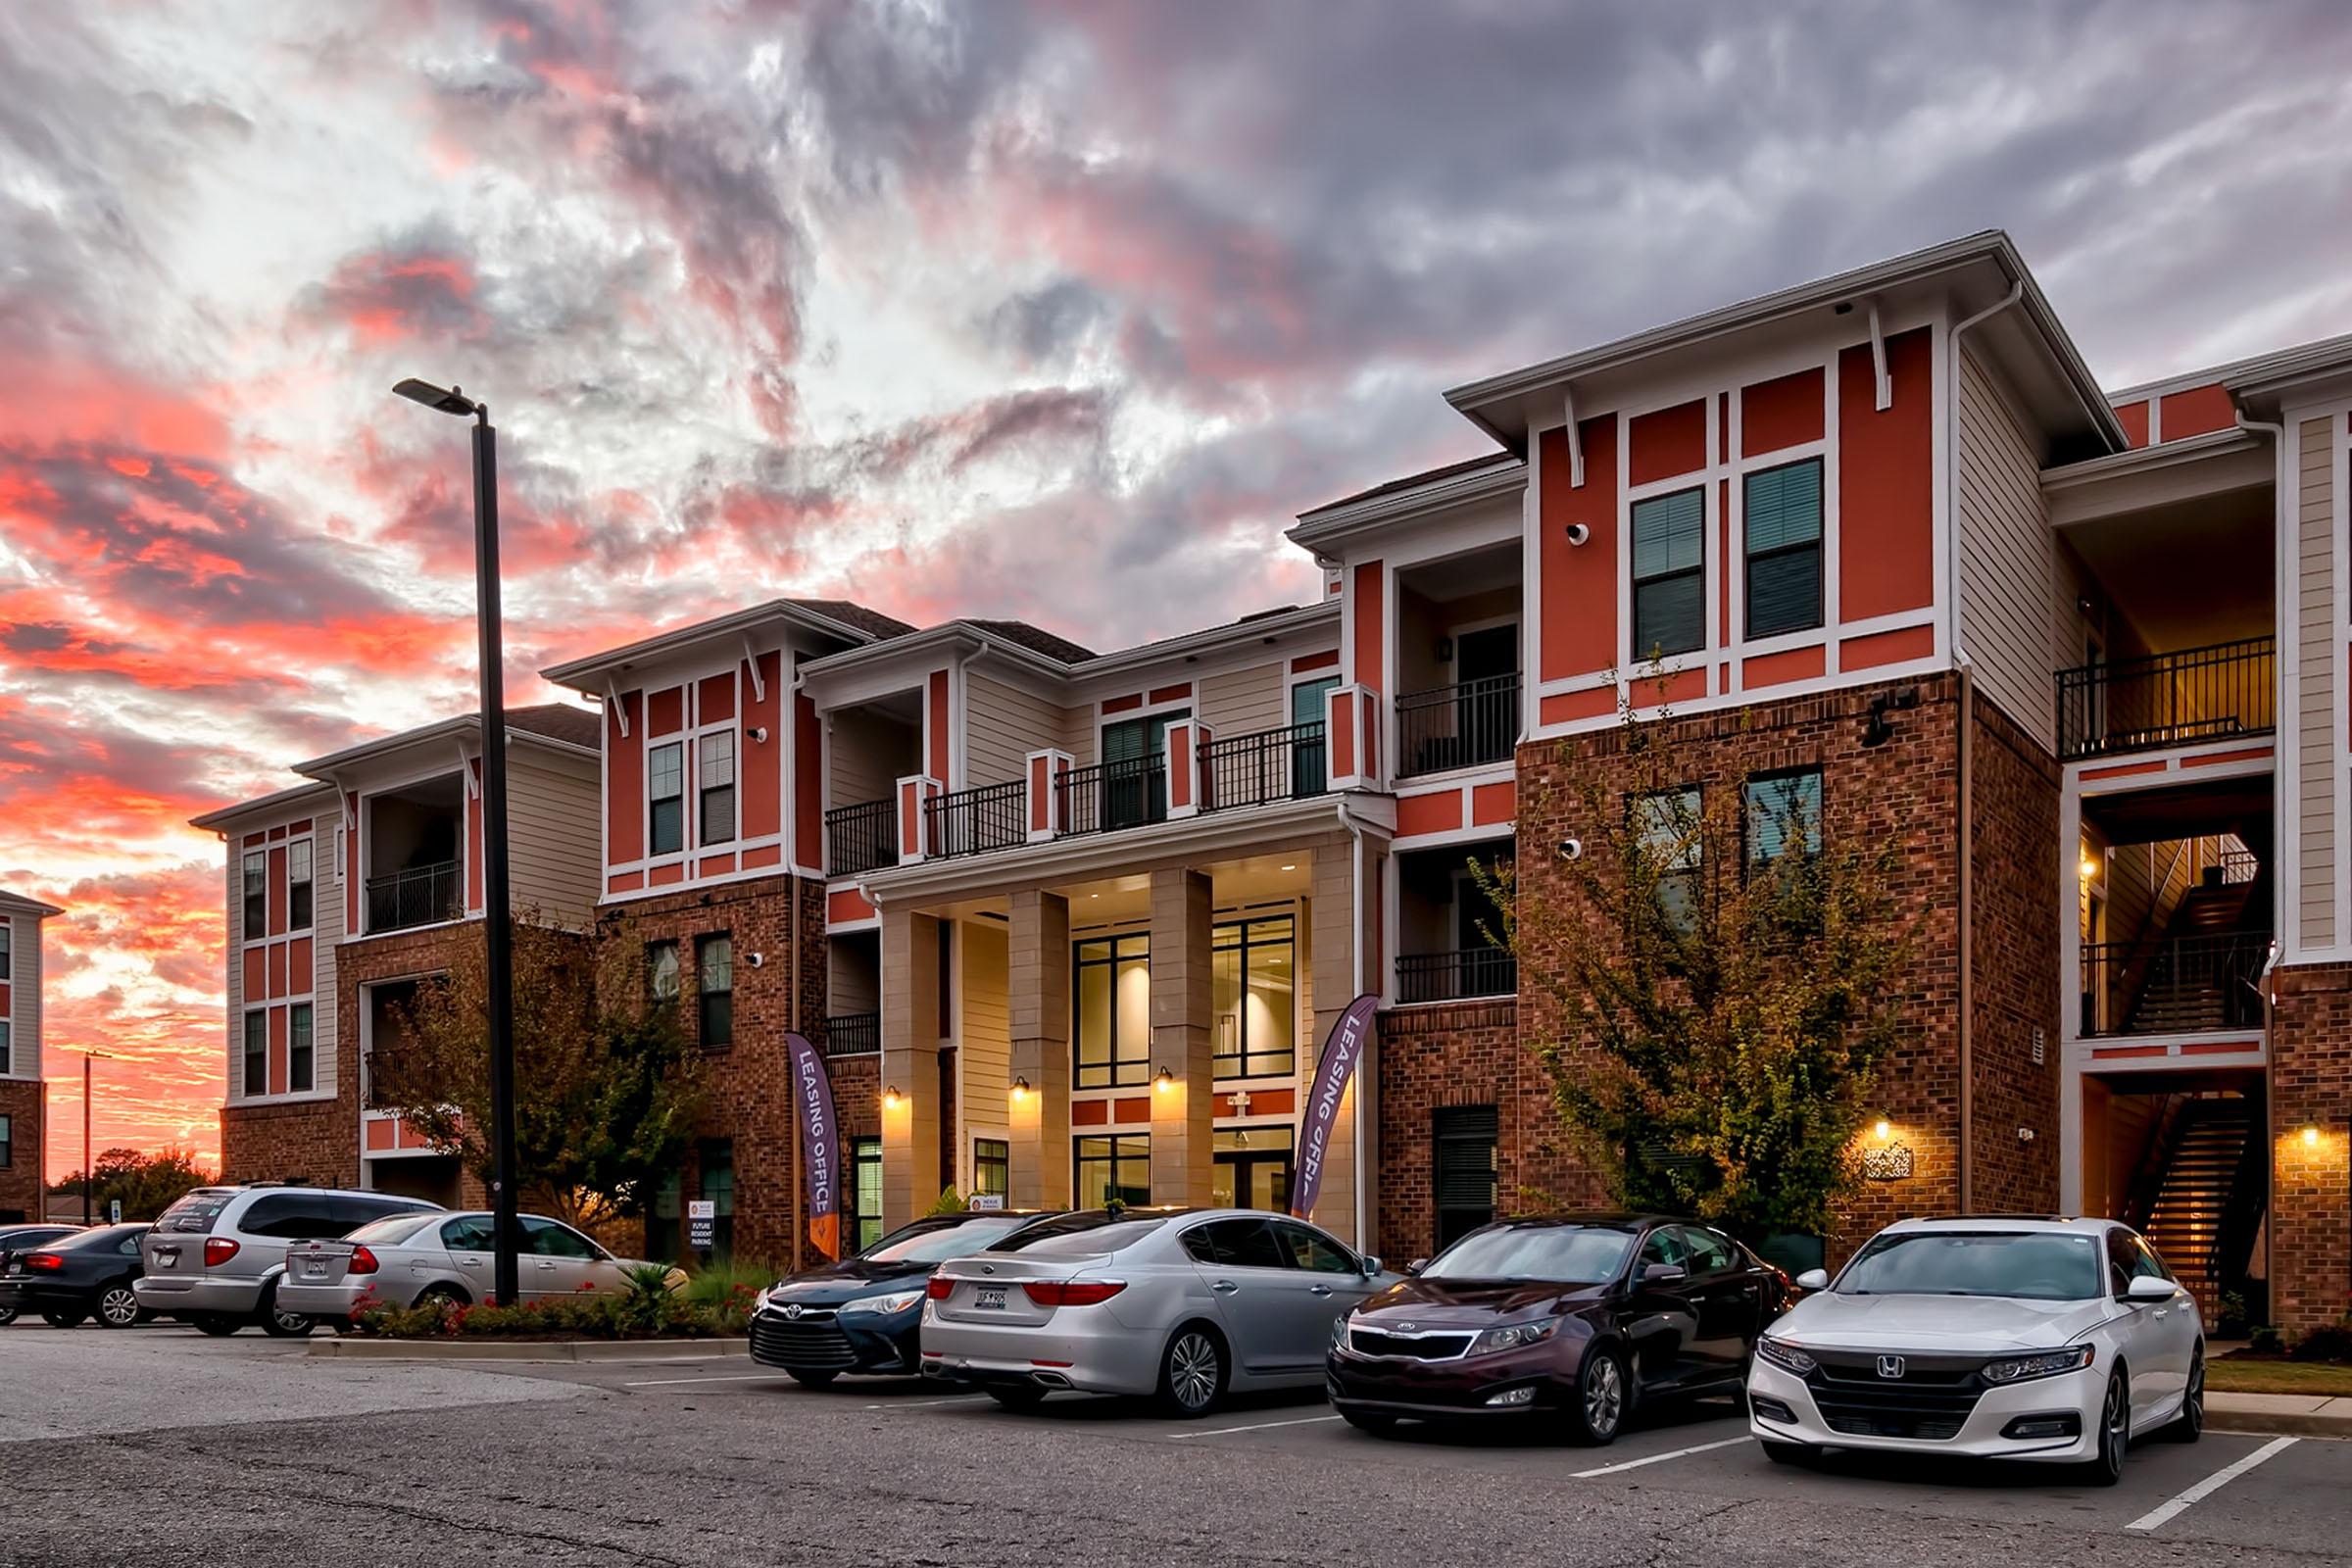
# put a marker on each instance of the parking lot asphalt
(324, 1461)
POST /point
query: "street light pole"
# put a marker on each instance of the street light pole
(498, 932)
(89, 1163)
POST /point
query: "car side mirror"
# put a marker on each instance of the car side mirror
(2149, 1288)
(1416, 1265)
(1663, 1274)
(1370, 1264)
(1813, 1279)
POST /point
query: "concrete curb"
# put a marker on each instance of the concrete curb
(2297, 1415)
(354, 1349)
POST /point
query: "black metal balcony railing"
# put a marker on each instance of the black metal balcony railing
(2181, 985)
(1456, 976)
(1108, 795)
(854, 1034)
(973, 821)
(1272, 764)
(1458, 726)
(859, 838)
(422, 895)
(2179, 699)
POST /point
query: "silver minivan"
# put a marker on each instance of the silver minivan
(214, 1258)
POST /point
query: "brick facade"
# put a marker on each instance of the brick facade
(2311, 1182)
(20, 1102)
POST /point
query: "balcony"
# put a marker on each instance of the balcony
(2190, 698)
(1132, 791)
(1259, 769)
(855, 1034)
(1461, 976)
(860, 838)
(420, 895)
(2177, 985)
(974, 821)
(1465, 725)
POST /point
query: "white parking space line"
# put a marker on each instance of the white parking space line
(1258, 1426)
(739, 1377)
(2157, 1517)
(924, 1404)
(1661, 1458)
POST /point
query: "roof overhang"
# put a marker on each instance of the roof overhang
(2192, 469)
(2314, 372)
(18, 903)
(1973, 273)
(1328, 528)
(265, 807)
(588, 674)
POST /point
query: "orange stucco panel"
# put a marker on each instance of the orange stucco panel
(1578, 583)
(1886, 480)
(1438, 813)
(1664, 443)
(1886, 648)
(1371, 624)
(1784, 412)
(1569, 707)
(2134, 418)
(2197, 411)
(1778, 669)
(1492, 803)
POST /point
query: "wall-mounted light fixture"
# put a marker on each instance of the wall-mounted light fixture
(1444, 650)
(1020, 1088)
(1165, 1081)
(2091, 867)
(2311, 1137)
(892, 1100)
(1882, 1131)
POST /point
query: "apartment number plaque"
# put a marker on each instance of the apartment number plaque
(1892, 1164)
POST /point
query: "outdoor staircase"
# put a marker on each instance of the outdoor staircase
(2189, 979)
(2194, 1222)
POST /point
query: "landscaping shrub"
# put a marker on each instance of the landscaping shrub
(648, 1308)
(2330, 1343)
(2266, 1341)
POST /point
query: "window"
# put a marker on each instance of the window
(1783, 815)
(1112, 978)
(1310, 770)
(1664, 1247)
(7, 1057)
(302, 1065)
(257, 1053)
(1135, 769)
(544, 1238)
(1670, 590)
(1669, 825)
(661, 1239)
(256, 895)
(1313, 1251)
(662, 972)
(715, 979)
(298, 885)
(469, 1235)
(1781, 509)
(1113, 1169)
(297, 1216)
(1244, 1244)
(1253, 965)
(714, 783)
(718, 1189)
(7, 935)
(865, 1192)
(992, 1166)
(8, 1143)
(1464, 1165)
(665, 795)
(1709, 1252)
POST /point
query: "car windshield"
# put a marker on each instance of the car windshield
(1093, 1242)
(2032, 1265)
(939, 1243)
(1565, 1254)
(102, 1237)
(392, 1232)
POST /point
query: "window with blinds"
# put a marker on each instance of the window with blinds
(1464, 1168)
(1781, 509)
(1784, 814)
(1669, 599)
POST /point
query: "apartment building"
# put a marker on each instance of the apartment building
(344, 892)
(22, 1081)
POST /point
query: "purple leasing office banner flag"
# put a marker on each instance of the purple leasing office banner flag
(821, 1142)
(1340, 1053)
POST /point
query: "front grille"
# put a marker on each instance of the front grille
(1931, 1403)
(811, 1343)
(1410, 1347)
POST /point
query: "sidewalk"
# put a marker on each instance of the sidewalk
(2308, 1415)
(352, 1347)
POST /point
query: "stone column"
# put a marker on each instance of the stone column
(910, 1176)
(1333, 933)
(1182, 1001)
(1038, 994)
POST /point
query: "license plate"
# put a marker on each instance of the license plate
(994, 1300)
(167, 1256)
(314, 1268)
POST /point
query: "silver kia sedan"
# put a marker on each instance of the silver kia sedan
(403, 1261)
(1185, 1305)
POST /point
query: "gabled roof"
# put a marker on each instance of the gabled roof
(1034, 638)
(219, 820)
(580, 728)
(1414, 481)
(568, 722)
(838, 618)
(18, 903)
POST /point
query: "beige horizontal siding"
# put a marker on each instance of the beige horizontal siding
(984, 1040)
(1243, 702)
(2008, 561)
(327, 925)
(1002, 725)
(2318, 765)
(23, 995)
(870, 754)
(553, 847)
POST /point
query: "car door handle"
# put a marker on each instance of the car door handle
(1224, 1287)
(548, 1264)
(1318, 1289)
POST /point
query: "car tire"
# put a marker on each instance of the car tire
(1372, 1421)
(811, 1380)
(1018, 1397)
(117, 1307)
(1603, 1398)
(2106, 1468)
(8, 1315)
(63, 1320)
(2190, 1425)
(216, 1324)
(1797, 1454)
(285, 1325)
(1191, 1372)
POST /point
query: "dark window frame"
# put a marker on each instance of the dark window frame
(300, 891)
(1244, 1063)
(709, 798)
(1119, 1159)
(8, 1142)
(1814, 547)
(1463, 1127)
(302, 1048)
(863, 1153)
(256, 1051)
(655, 992)
(1690, 877)
(1752, 812)
(715, 1005)
(254, 871)
(1645, 645)
(1112, 1065)
(992, 1157)
(665, 811)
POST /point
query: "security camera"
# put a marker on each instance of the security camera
(753, 959)
(760, 733)
(1578, 533)
(1572, 849)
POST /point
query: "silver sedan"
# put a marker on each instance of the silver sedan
(1187, 1307)
(403, 1261)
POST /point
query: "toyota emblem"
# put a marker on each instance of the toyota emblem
(1890, 1366)
(792, 1310)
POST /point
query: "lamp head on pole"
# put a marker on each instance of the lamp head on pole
(448, 400)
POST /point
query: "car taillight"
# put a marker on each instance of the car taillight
(43, 1262)
(1074, 1293)
(218, 1250)
(937, 1288)
(363, 1262)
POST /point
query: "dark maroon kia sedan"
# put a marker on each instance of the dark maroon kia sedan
(1571, 1320)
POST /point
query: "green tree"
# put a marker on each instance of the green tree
(607, 1090)
(145, 1184)
(1726, 976)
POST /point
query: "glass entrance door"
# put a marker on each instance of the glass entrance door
(1252, 1170)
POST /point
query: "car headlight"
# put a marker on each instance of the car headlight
(1339, 1331)
(771, 1298)
(1514, 1336)
(881, 1306)
(2047, 1364)
(1788, 1357)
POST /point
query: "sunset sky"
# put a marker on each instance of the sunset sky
(1051, 310)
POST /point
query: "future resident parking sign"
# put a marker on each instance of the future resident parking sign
(1340, 1053)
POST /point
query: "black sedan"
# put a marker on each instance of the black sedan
(1570, 1321)
(24, 1239)
(863, 1314)
(76, 1276)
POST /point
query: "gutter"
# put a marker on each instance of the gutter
(2290, 675)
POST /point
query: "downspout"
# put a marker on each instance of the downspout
(2286, 647)
(1967, 753)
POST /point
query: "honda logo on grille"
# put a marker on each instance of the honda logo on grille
(1890, 1366)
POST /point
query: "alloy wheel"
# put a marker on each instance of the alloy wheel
(2191, 1424)
(117, 1307)
(1604, 1397)
(2114, 1433)
(1192, 1371)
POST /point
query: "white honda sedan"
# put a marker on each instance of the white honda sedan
(2058, 1340)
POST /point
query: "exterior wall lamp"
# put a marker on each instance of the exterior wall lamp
(1165, 1081)
(892, 1100)
(1020, 1088)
